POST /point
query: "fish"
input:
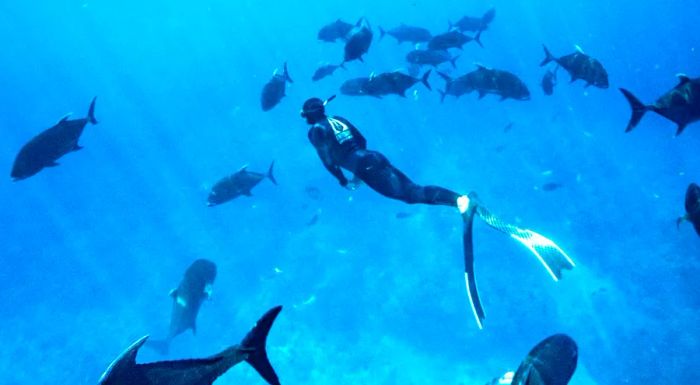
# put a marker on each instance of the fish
(580, 66)
(275, 89)
(313, 193)
(355, 87)
(407, 33)
(681, 104)
(240, 183)
(486, 80)
(549, 80)
(337, 30)
(508, 127)
(198, 371)
(47, 147)
(692, 207)
(475, 24)
(551, 186)
(358, 42)
(455, 87)
(188, 297)
(551, 362)
(325, 70)
(430, 57)
(452, 39)
(394, 83)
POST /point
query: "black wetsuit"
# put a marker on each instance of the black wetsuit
(340, 144)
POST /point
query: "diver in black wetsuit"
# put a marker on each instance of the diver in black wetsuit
(341, 145)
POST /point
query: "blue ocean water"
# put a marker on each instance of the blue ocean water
(91, 248)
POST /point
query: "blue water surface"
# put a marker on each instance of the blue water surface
(91, 248)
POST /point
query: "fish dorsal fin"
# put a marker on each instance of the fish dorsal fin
(682, 78)
(124, 363)
(173, 293)
(245, 166)
(65, 117)
(579, 49)
(481, 66)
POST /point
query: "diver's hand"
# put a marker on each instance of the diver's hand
(354, 184)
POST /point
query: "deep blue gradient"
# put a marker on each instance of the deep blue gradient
(92, 247)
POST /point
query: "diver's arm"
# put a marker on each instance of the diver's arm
(336, 171)
(316, 138)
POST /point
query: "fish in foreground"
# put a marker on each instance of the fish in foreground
(240, 183)
(680, 105)
(337, 30)
(551, 362)
(325, 70)
(692, 207)
(485, 81)
(50, 145)
(201, 371)
(358, 42)
(407, 33)
(394, 82)
(580, 66)
(188, 297)
(275, 89)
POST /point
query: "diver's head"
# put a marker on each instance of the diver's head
(314, 109)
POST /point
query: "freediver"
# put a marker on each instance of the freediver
(340, 145)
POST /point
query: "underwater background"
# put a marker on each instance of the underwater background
(373, 290)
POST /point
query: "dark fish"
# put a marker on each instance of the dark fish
(188, 297)
(549, 80)
(202, 371)
(313, 193)
(274, 90)
(551, 186)
(430, 57)
(337, 30)
(394, 83)
(551, 362)
(355, 87)
(475, 24)
(692, 207)
(403, 215)
(491, 81)
(456, 87)
(452, 39)
(358, 42)
(580, 66)
(240, 183)
(312, 221)
(407, 33)
(50, 145)
(680, 105)
(508, 127)
(326, 70)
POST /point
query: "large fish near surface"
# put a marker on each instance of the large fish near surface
(275, 89)
(358, 42)
(680, 105)
(407, 33)
(475, 24)
(50, 145)
(337, 30)
(325, 70)
(452, 39)
(692, 207)
(201, 371)
(580, 66)
(486, 81)
(188, 297)
(431, 57)
(240, 183)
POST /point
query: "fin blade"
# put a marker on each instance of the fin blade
(269, 174)
(91, 111)
(255, 342)
(638, 109)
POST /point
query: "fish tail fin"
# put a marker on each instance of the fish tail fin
(638, 109)
(269, 173)
(453, 61)
(445, 76)
(91, 111)
(424, 80)
(442, 95)
(254, 344)
(477, 39)
(382, 32)
(548, 57)
(162, 347)
(286, 74)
